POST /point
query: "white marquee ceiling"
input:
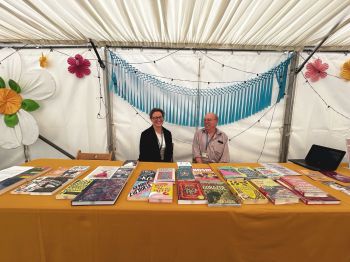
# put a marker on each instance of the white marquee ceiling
(239, 24)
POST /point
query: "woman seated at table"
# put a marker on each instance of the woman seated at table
(156, 142)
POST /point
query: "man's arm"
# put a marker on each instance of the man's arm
(196, 153)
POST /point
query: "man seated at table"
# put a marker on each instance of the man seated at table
(209, 143)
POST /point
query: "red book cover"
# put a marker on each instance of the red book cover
(190, 192)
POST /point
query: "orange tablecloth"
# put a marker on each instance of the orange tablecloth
(41, 228)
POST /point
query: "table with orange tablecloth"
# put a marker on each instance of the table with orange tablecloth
(41, 228)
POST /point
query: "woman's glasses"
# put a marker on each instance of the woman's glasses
(157, 118)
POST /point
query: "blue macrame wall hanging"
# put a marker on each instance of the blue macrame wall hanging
(186, 106)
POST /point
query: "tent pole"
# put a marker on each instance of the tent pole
(109, 115)
(198, 95)
(288, 111)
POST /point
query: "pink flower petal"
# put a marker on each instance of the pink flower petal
(86, 63)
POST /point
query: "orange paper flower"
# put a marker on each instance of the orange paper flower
(345, 70)
(10, 101)
(43, 61)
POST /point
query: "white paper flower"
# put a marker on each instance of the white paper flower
(19, 95)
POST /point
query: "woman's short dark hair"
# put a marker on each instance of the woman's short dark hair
(156, 110)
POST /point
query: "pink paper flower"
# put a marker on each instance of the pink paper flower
(316, 70)
(79, 66)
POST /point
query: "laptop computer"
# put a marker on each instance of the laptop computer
(321, 158)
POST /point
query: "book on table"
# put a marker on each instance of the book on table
(102, 172)
(337, 176)
(312, 200)
(123, 173)
(205, 174)
(219, 195)
(281, 169)
(190, 192)
(184, 164)
(161, 192)
(337, 186)
(25, 176)
(75, 171)
(13, 171)
(229, 172)
(44, 185)
(140, 191)
(184, 173)
(248, 173)
(268, 173)
(165, 175)
(246, 192)
(146, 175)
(315, 175)
(74, 189)
(275, 192)
(301, 186)
(100, 192)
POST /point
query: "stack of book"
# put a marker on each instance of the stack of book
(308, 193)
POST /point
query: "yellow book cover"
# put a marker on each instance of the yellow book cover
(247, 192)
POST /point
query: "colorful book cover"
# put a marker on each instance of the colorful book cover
(140, 191)
(312, 200)
(49, 185)
(280, 169)
(100, 192)
(228, 172)
(248, 172)
(146, 175)
(315, 175)
(337, 176)
(275, 192)
(337, 186)
(74, 189)
(57, 171)
(75, 171)
(123, 173)
(102, 172)
(184, 173)
(13, 171)
(15, 181)
(28, 187)
(301, 186)
(246, 192)
(190, 192)
(218, 194)
(268, 173)
(161, 192)
(205, 174)
(165, 175)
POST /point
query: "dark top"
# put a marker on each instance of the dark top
(149, 148)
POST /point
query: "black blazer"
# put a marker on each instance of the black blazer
(149, 148)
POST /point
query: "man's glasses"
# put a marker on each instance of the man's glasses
(157, 118)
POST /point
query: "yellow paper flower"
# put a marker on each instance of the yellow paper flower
(10, 101)
(43, 61)
(345, 70)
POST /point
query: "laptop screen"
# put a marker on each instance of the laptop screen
(324, 158)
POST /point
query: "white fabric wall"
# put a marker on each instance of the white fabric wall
(313, 122)
(69, 117)
(129, 122)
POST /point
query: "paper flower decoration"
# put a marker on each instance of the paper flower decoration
(316, 70)
(345, 70)
(43, 61)
(79, 66)
(19, 93)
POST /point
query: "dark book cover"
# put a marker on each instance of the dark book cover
(337, 176)
(122, 173)
(146, 175)
(49, 185)
(100, 192)
(184, 173)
